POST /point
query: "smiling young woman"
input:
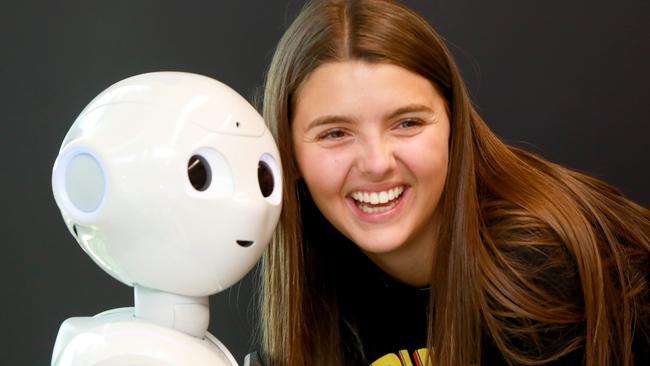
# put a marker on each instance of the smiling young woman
(371, 143)
(409, 231)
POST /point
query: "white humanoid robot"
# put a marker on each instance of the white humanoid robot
(172, 184)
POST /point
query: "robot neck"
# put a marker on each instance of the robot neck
(188, 314)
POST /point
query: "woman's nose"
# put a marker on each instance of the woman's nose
(376, 158)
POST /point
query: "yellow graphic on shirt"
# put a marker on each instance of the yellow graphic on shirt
(403, 358)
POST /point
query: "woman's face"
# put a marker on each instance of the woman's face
(371, 142)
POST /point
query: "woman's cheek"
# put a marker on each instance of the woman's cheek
(320, 166)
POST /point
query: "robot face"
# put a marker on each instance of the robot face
(171, 181)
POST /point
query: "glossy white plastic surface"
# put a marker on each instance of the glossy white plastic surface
(117, 338)
(121, 182)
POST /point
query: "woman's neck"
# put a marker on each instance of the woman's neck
(410, 264)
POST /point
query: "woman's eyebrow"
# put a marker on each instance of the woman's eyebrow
(411, 108)
(326, 120)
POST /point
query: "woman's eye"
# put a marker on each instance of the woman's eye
(409, 123)
(332, 135)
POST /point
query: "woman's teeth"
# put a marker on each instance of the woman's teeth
(380, 201)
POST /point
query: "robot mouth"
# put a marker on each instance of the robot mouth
(245, 243)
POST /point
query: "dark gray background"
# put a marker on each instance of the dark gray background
(568, 80)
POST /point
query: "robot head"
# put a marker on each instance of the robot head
(170, 181)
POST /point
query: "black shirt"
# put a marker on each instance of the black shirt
(390, 318)
(386, 321)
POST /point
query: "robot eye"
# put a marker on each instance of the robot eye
(265, 178)
(209, 174)
(198, 170)
(269, 178)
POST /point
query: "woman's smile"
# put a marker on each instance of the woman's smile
(377, 205)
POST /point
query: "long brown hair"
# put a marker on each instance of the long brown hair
(515, 225)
